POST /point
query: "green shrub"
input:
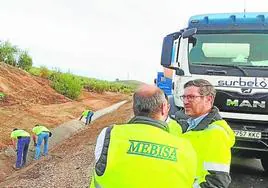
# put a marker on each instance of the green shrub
(102, 86)
(2, 96)
(66, 84)
(14, 56)
(8, 53)
(34, 71)
(44, 72)
(25, 61)
(70, 85)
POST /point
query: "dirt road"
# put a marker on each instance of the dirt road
(70, 163)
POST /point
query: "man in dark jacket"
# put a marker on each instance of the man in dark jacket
(209, 134)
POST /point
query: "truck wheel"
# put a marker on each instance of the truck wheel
(264, 162)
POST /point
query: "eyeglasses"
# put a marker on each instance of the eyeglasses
(190, 97)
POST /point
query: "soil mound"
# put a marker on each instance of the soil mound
(21, 88)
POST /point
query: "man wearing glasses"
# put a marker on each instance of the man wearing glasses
(142, 153)
(209, 134)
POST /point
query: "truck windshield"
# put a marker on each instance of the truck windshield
(243, 49)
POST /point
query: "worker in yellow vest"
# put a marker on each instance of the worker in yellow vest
(209, 134)
(20, 140)
(87, 114)
(142, 153)
(173, 126)
(41, 133)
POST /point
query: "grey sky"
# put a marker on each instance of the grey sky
(105, 39)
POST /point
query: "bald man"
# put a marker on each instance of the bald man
(142, 153)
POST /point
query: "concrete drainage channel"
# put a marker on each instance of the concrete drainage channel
(64, 131)
(67, 129)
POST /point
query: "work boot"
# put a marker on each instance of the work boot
(15, 168)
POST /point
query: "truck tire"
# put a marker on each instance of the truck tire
(264, 162)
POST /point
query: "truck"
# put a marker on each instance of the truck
(164, 83)
(230, 50)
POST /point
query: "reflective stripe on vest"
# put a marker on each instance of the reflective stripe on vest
(213, 126)
(216, 167)
(215, 155)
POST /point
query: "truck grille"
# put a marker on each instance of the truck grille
(228, 101)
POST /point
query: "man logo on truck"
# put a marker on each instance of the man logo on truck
(246, 90)
(245, 103)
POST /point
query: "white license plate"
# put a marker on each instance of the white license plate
(247, 134)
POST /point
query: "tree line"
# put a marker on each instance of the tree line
(15, 56)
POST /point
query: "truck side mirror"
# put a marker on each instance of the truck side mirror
(167, 47)
(179, 72)
(189, 32)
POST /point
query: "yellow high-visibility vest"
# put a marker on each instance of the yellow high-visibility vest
(38, 129)
(174, 127)
(19, 133)
(213, 148)
(143, 156)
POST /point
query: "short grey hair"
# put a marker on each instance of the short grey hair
(205, 87)
(148, 106)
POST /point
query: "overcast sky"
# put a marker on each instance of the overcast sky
(105, 39)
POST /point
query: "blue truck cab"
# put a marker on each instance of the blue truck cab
(230, 51)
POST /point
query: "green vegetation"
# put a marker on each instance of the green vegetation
(70, 85)
(2, 96)
(34, 71)
(132, 83)
(14, 56)
(25, 61)
(66, 84)
(43, 71)
(100, 86)
(8, 53)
